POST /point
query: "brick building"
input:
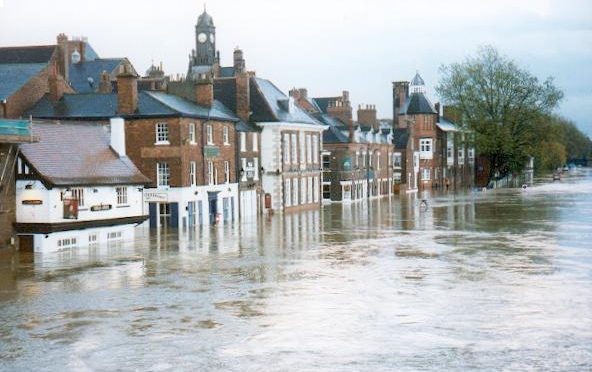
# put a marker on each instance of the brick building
(184, 143)
(433, 152)
(27, 73)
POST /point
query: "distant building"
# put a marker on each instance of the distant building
(432, 150)
(27, 73)
(13, 133)
(77, 177)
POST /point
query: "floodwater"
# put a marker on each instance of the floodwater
(500, 280)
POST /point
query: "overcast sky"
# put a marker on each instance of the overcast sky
(330, 46)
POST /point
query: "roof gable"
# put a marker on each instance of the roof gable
(418, 103)
(80, 73)
(14, 76)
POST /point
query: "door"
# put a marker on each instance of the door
(213, 206)
(225, 209)
(26, 243)
(191, 213)
(153, 212)
(174, 220)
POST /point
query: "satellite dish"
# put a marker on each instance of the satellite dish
(91, 81)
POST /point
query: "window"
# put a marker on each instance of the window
(287, 193)
(294, 148)
(225, 135)
(397, 159)
(326, 161)
(115, 235)
(210, 134)
(425, 148)
(226, 171)
(210, 173)
(78, 194)
(315, 189)
(308, 149)
(302, 148)
(303, 190)
(315, 148)
(471, 154)
(162, 133)
(162, 174)
(192, 173)
(243, 141)
(244, 169)
(121, 195)
(309, 190)
(326, 191)
(377, 161)
(67, 243)
(192, 133)
(370, 160)
(286, 148)
(295, 191)
(461, 155)
(256, 170)
(255, 141)
(425, 174)
(364, 159)
(93, 239)
(397, 177)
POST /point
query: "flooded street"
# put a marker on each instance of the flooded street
(495, 280)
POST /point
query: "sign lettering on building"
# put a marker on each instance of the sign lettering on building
(155, 196)
(211, 151)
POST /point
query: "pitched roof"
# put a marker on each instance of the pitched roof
(81, 72)
(26, 54)
(268, 103)
(96, 106)
(225, 92)
(417, 80)
(323, 102)
(14, 76)
(418, 103)
(78, 154)
(400, 137)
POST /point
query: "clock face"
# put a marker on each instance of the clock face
(212, 38)
(202, 38)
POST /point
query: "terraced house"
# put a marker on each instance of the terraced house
(184, 145)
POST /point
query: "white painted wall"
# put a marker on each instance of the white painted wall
(52, 211)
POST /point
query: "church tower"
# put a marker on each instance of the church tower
(204, 53)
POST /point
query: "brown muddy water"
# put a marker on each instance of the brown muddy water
(500, 280)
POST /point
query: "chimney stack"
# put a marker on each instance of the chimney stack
(127, 89)
(56, 85)
(400, 95)
(63, 58)
(243, 96)
(105, 86)
(118, 136)
(204, 90)
(367, 115)
(239, 61)
(437, 107)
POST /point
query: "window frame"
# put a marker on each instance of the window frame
(209, 134)
(121, 193)
(162, 133)
(192, 137)
(162, 176)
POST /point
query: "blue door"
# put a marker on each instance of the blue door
(174, 222)
(152, 211)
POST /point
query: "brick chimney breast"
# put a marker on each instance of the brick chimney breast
(127, 89)
(204, 90)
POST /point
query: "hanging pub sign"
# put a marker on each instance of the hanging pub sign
(70, 209)
(101, 207)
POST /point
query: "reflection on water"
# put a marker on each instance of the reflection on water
(495, 280)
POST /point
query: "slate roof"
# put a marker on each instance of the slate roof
(225, 92)
(96, 106)
(418, 103)
(446, 125)
(268, 103)
(205, 19)
(400, 137)
(80, 72)
(14, 76)
(241, 126)
(417, 80)
(78, 154)
(322, 103)
(26, 54)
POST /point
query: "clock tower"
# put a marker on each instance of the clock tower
(204, 53)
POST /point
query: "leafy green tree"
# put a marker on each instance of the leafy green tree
(502, 103)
